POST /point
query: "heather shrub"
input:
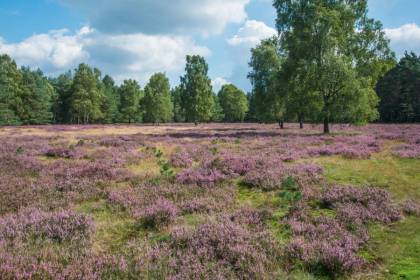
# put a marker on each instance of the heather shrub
(407, 151)
(324, 245)
(411, 207)
(250, 216)
(61, 152)
(200, 176)
(181, 160)
(235, 165)
(265, 179)
(59, 226)
(361, 204)
(159, 214)
(221, 249)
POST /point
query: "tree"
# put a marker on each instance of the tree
(233, 102)
(157, 103)
(111, 100)
(61, 103)
(179, 114)
(217, 115)
(35, 97)
(130, 95)
(325, 35)
(268, 97)
(10, 80)
(399, 91)
(87, 97)
(197, 97)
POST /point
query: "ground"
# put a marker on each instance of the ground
(228, 201)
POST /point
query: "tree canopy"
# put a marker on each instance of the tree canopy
(399, 91)
(157, 103)
(337, 52)
(197, 97)
(233, 102)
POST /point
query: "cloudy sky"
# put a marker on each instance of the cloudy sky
(135, 38)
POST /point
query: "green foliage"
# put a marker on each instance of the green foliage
(337, 53)
(267, 97)
(165, 165)
(197, 97)
(233, 102)
(87, 97)
(217, 114)
(111, 100)
(130, 96)
(290, 191)
(10, 79)
(157, 103)
(179, 113)
(35, 98)
(399, 91)
(62, 98)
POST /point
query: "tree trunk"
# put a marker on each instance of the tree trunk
(300, 122)
(281, 124)
(326, 125)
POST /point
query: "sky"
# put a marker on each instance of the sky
(136, 38)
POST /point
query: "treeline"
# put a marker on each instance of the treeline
(85, 96)
(399, 91)
(330, 63)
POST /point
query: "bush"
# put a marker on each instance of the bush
(59, 226)
(158, 215)
(219, 250)
(200, 176)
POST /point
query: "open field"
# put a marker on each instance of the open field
(216, 201)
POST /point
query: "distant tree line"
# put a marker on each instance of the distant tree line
(85, 96)
(329, 63)
(399, 91)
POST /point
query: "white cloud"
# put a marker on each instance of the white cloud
(161, 16)
(218, 82)
(54, 50)
(247, 37)
(123, 56)
(404, 38)
(252, 33)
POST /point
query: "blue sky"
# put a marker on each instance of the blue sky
(135, 38)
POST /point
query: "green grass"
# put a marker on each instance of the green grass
(395, 248)
(400, 176)
(112, 229)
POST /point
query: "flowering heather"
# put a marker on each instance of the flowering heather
(360, 205)
(220, 249)
(181, 160)
(200, 176)
(324, 242)
(61, 152)
(411, 207)
(200, 223)
(60, 226)
(160, 214)
(407, 151)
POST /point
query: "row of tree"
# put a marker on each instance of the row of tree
(85, 96)
(324, 65)
(399, 91)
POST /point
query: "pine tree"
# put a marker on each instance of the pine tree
(10, 80)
